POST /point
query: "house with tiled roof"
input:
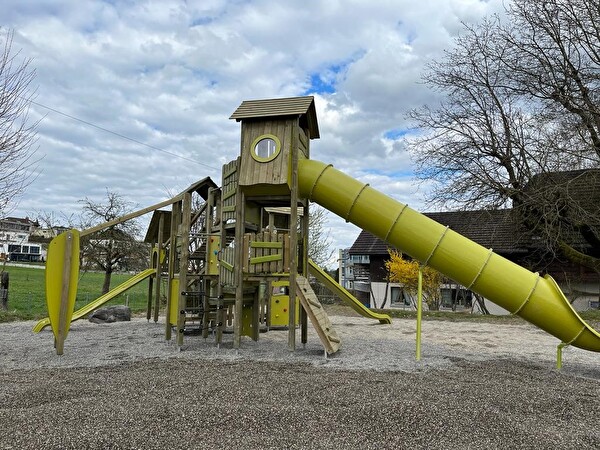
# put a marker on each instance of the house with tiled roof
(495, 229)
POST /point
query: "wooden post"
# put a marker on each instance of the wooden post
(183, 264)
(64, 297)
(256, 315)
(206, 281)
(159, 250)
(303, 315)
(175, 213)
(4, 281)
(149, 300)
(293, 240)
(240, 203)
(220, 302)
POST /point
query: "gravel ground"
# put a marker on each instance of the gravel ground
(478, 385)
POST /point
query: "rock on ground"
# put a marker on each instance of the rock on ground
(110, 314)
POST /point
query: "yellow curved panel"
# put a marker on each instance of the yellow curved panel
(62, 273)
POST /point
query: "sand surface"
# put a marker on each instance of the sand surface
(121, 385)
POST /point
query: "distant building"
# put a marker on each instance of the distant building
(15, 242)
(366, 261)
(346, 270)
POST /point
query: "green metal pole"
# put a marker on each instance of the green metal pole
(559, 355)
(419, 311)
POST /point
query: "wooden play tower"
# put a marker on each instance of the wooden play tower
(232, 259)
(227, 258)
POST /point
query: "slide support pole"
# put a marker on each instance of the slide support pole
(419, 311)
(559, 354)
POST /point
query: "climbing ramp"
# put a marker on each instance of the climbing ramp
(317, 316)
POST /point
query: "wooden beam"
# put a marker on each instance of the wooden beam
(159, 249)
(186, 213)
(293, 239)
(175, 217)
(220, 302)
(206, 280)
(305, 234)
(238, 268)
(129, 216)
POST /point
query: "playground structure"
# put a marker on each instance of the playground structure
(224, 258)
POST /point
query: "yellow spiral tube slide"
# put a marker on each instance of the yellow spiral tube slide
(536, 299)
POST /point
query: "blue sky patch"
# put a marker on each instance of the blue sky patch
(400, 174)
(325, 81)
(397, 133)
(319, 85)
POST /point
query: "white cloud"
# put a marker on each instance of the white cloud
(170, 73)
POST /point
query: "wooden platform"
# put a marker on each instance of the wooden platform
(318, 316)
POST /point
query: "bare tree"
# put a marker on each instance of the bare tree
(521, 105)
(56, 223)
(114, 247)
(319, 238)
(17, 135)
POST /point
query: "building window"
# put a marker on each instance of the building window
(456, 297)
(360, 259)
(398, 297)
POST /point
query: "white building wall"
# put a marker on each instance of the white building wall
(587, 296)
(378, 294)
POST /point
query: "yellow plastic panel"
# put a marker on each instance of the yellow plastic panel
(173, 311)
(56, 275)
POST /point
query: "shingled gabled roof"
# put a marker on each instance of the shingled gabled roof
(201, 187)
(280, 107)
(496, 229)
(367, 244)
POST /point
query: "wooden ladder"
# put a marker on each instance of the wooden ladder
(318, 316)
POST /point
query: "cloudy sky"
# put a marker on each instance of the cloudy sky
(169, 74)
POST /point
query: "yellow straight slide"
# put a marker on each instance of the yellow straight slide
(128, 284)
(344, 295)
(537, 299)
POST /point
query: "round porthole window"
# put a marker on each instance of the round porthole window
(266, 148)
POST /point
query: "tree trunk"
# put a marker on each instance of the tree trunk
(481, 302)
(106, 284)
(4, 291)
(385, 297)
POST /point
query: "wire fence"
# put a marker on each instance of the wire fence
(34, 304)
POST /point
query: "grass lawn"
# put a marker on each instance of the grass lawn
(27, 299)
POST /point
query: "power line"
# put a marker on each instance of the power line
(122, 136)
